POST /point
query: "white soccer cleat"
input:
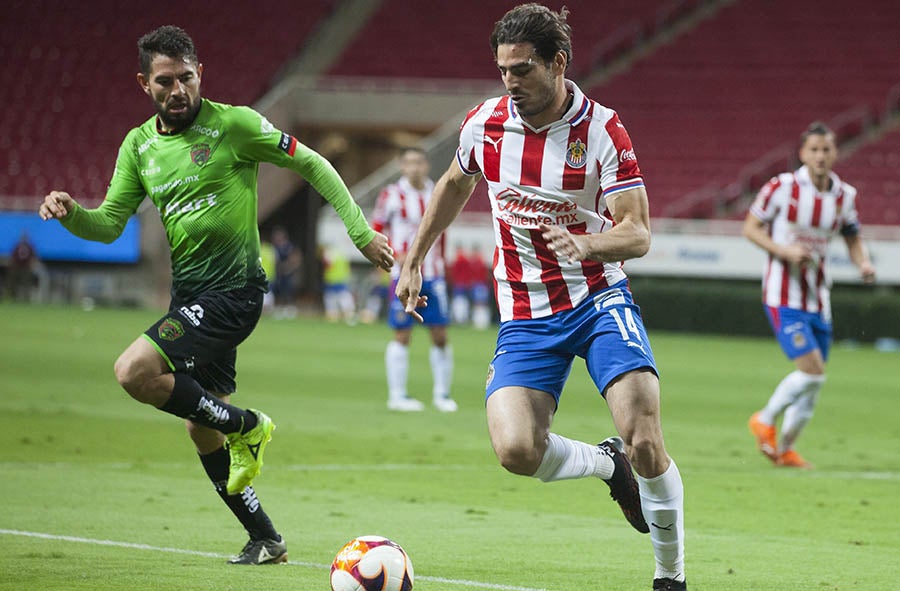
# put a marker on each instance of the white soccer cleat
(445, 404)
(405, 405)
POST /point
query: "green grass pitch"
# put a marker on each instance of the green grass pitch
(101, 493)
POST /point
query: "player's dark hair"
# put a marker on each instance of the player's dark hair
(168, 40)
(414, 149)
(538, 25)
(816, 128)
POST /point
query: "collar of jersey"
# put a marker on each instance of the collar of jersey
(575, 115)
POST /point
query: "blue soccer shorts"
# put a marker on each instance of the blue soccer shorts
(605, 330)
(436, 313)
(800, 332)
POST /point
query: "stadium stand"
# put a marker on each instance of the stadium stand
(742, 85)
(405, 39)
(68, 74)
(873, 170)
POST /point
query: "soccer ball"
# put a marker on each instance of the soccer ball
(371, 563)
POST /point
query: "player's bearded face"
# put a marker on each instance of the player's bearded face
(819, 153)
(174, 86)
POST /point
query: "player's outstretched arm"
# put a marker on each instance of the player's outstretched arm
(756, 231)
(56, 205)
(379, 252)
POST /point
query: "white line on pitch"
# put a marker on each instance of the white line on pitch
(132, 545)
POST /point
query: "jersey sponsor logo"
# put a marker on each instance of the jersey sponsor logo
(576, 154)
(147, 143)
(172, 184)
(200, 154)
(170, 329)
(288, 143)
(151, 168)
(190, 205)
(193, 314)
(519, 209)
(626, 155)
(213, 133)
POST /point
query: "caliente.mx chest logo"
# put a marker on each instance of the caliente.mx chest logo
(576, 154)
(200, 154)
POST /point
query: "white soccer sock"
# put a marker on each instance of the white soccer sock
(798, 414)
(786, 393)
(441, 369)
(566, 459)
(396, 362)
(662, 501)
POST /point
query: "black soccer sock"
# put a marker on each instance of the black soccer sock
(245, 506)
(189, 400)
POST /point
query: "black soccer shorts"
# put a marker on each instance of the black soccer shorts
(199, 337)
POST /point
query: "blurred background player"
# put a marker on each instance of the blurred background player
(25, 272)
(461, 286)
(337, 298)
(184, 364)
(288, 261)
(267, 259)
(398, 213)
(793, 219)
(480, 290)
(569, 205)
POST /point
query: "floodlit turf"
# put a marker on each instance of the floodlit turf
(102, 493)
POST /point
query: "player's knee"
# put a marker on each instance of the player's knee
(517, 457)
(647, 454)
(131, 375)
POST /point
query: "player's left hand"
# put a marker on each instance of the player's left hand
(868, 273)
(564, 243)
(379, 252)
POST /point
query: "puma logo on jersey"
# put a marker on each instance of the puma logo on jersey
(493, 142)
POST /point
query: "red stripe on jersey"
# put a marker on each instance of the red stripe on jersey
(403, 213)
(792, 205)
(496, 258)
(817, 211)
(521, 298)
(838, 211)
(628, 165)
(532, 158)
(573, 177)
(785, 283)
(493, 141)
(804, 288)
(470, 114)
(551, 274)
(820, 281)
(768, 191)
(594, 273)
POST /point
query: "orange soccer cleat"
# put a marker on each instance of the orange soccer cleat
(765, 437)
(791, 459)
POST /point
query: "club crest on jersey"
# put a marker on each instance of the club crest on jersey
(170, 329)
(576, 155)
(200, 154)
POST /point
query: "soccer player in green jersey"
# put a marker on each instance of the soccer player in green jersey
(197, 160)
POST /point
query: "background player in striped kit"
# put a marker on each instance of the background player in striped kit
(398, 212)
(568, 205)
(793, 218)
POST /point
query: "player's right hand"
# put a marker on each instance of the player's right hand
(56, 205)
(379, 252)
(795, 254)
(409, 285)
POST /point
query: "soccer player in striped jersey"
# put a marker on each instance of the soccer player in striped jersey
(197, 161)
(398, 212)
(568, 205)
(793, 218)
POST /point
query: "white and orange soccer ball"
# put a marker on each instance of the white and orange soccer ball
(371, 563)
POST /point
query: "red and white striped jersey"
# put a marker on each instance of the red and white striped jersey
(560, 174)
(798, 213)
(398, 213)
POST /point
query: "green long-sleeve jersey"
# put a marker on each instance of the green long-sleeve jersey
(203, 181)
